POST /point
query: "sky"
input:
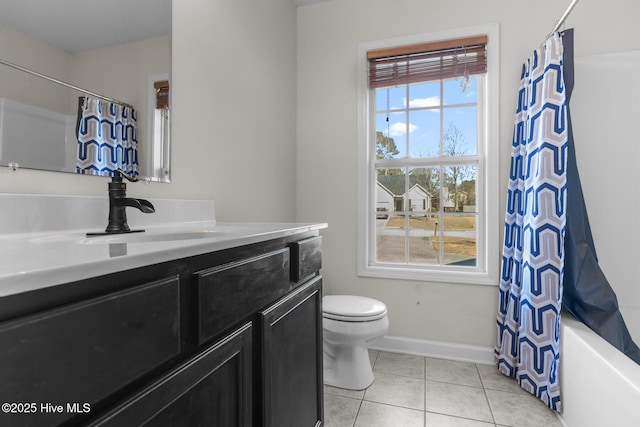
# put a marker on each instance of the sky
(423, 126)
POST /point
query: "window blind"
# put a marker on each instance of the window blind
(162, 94)
(427, 61)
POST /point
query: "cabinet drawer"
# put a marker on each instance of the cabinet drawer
(306, 258)
(84, 352)
(229, 293)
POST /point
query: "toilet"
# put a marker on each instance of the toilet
(350, 325)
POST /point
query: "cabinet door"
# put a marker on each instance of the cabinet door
(74, 356)
(292, 394)
(213, 389)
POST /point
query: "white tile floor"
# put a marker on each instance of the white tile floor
(415, 391)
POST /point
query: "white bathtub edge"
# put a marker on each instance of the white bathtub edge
(599, 385)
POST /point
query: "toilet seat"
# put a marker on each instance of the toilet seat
(350, 308)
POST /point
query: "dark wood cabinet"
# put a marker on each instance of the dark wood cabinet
(292, 359)
(81, 353)
(230, 292)
(231, 338)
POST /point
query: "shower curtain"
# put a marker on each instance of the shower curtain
(107, 138)
(530, 295)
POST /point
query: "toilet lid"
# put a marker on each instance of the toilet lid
(352, 308)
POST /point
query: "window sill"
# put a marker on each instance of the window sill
(443, 275)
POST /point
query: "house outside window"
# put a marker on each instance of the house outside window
(427, 171)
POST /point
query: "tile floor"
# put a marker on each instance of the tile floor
(416, 391)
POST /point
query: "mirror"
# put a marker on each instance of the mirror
(120, 49)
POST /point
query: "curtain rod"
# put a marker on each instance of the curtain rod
(60, 82)
(563, 17)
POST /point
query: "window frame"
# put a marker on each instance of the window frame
(486, 270)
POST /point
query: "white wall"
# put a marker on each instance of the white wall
(605, 112)
(19, 49)
(234, 116)
(234, 100)
(328, 37)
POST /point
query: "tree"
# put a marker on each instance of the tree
(453, 145)
(427, 178)
(386, 149)
(469, 188)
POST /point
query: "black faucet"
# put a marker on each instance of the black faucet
(118, 202)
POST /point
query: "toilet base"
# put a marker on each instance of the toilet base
(349, 368)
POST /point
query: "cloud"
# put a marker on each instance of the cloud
(399, 129)
(432, 101)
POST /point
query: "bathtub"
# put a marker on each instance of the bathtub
(599, 385)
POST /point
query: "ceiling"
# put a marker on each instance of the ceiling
(75, 26)
(79, 25)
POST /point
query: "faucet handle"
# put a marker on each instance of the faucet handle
(124, 174)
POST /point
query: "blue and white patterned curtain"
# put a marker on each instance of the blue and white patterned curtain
(107, 138)
(528, 323)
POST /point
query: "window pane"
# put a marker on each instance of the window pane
(422, 229)
(424, 196)
(460, 188)
(424, 141)
(460, 240)
(460, 218)
(390, 218)
(424, 95)
(460, 136)
(425, 186)
(390, 191)
(390, 246)
(391, 98)
(391, 141)
(453, 93)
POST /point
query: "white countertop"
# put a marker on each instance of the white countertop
(43, 239)
(33, 261)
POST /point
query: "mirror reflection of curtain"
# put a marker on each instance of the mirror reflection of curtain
(107, 138)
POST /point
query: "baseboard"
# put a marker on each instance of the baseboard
(439, 349)
(561, 420)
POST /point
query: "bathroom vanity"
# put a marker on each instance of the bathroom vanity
(219, 330)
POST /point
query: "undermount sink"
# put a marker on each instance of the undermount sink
(149, 237)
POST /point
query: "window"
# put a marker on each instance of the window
(157, 154)
(427, 167)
